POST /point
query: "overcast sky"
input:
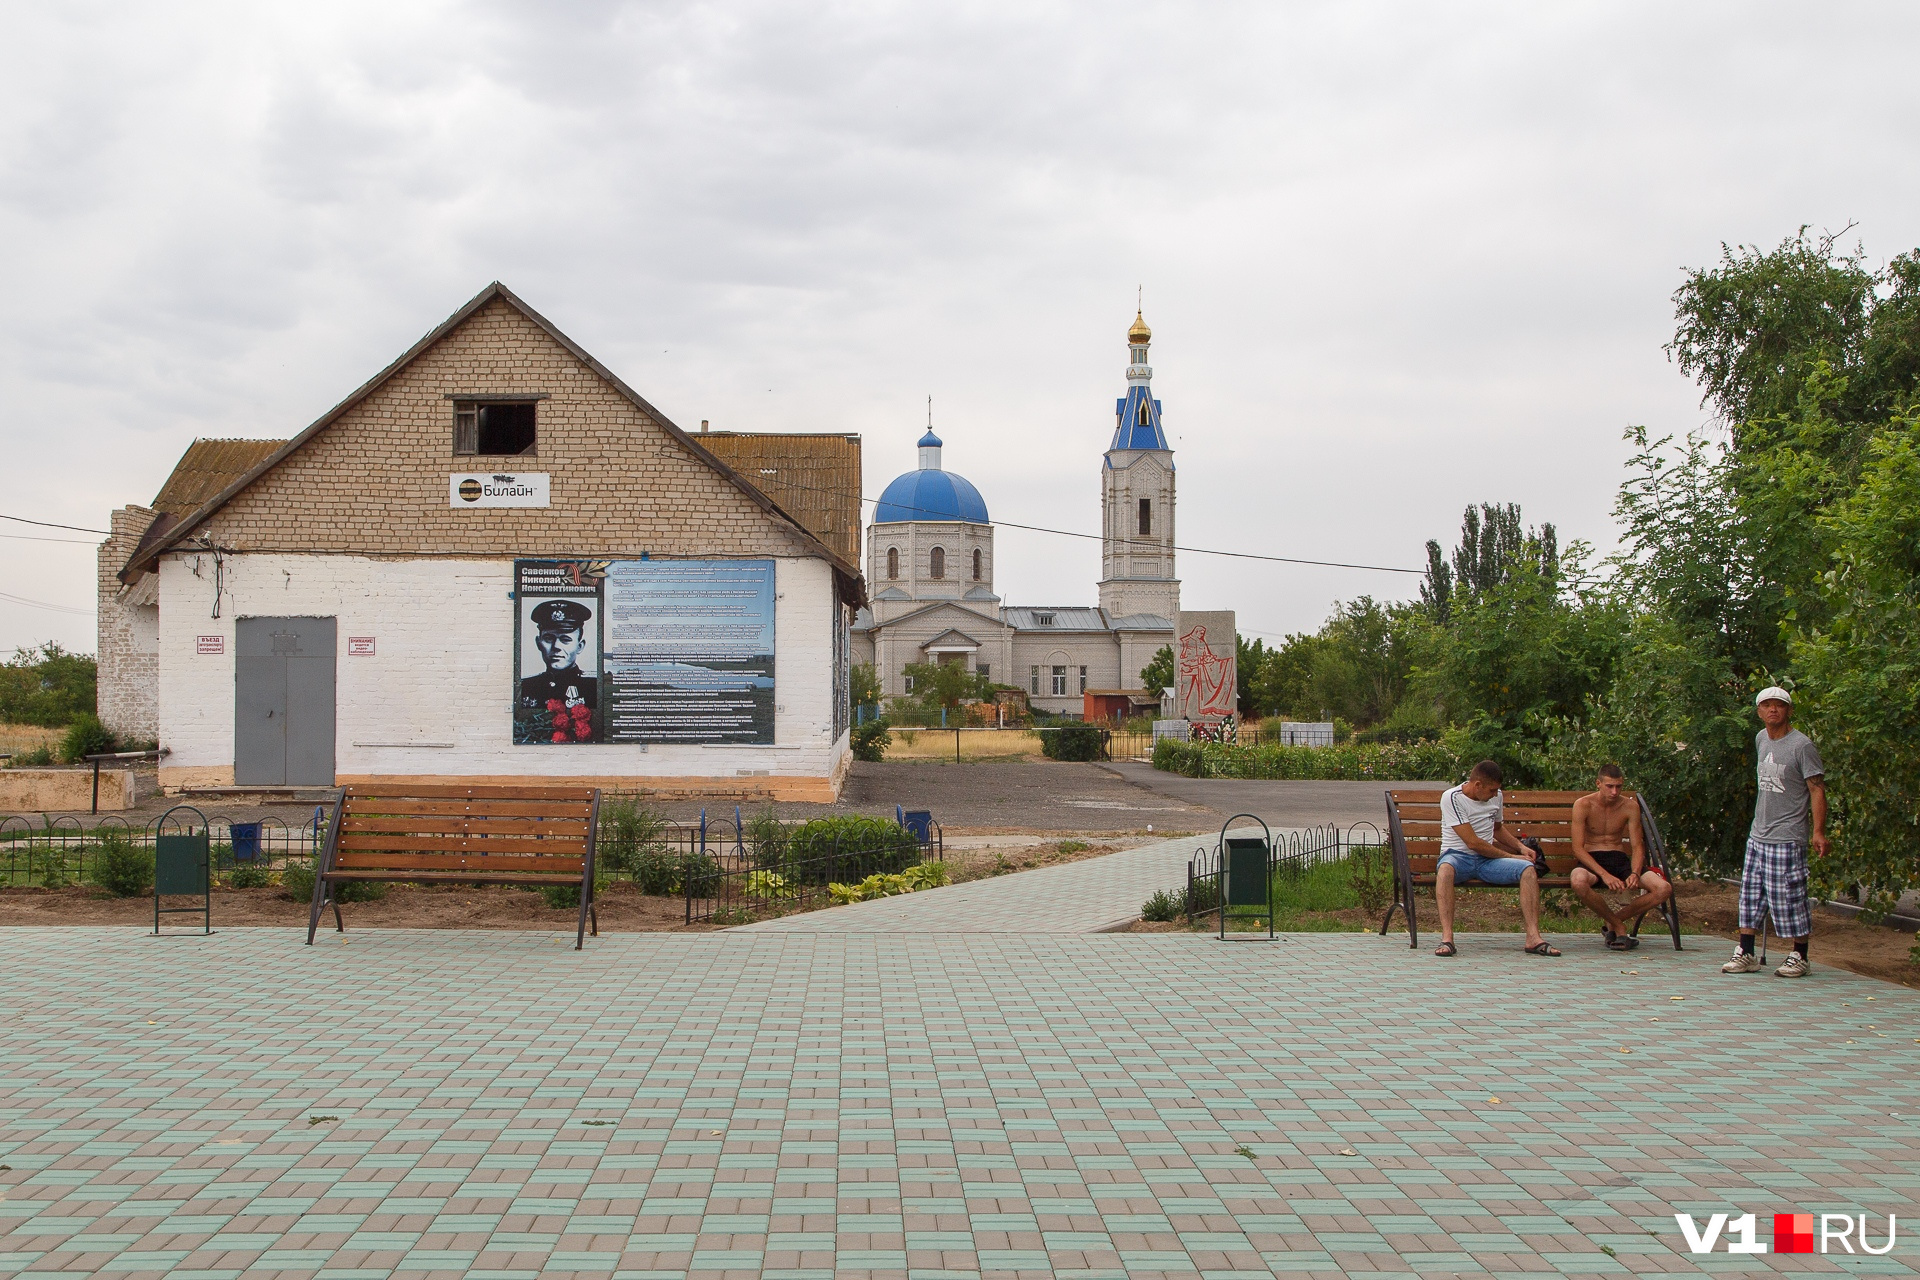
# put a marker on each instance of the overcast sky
(1397, 258)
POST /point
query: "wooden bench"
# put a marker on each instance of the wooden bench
(1413, 828)
(435, 834)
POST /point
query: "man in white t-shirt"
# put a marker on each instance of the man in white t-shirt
(1476, 845)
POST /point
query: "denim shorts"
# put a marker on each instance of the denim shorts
(1471, 866)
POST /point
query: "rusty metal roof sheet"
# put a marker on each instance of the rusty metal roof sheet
(207, 467)
(813, 478)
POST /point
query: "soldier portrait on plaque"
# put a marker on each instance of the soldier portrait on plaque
(560, 702)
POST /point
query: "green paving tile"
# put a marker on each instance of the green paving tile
(928, 1105)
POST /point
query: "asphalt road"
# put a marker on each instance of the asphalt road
(1046, 795)
(1279, 804)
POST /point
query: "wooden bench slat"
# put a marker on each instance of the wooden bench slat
(559, 846)
(409, 824)
(549, 866)
(436, 791)
(450, 877)
(474, 808)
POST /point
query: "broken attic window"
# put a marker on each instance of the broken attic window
(493, 430)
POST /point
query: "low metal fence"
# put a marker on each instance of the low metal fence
(729, 872)
(1289, 856)
(61, 851)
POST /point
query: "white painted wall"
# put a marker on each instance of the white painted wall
(443, 669)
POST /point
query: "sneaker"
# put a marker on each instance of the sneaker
(1744, 962)
(1792, 967)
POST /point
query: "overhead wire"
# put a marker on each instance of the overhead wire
(48, 524)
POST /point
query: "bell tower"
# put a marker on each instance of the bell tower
(1136, 498)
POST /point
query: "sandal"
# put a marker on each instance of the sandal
(1446, 949)
(1621, 941)
(1542, 949)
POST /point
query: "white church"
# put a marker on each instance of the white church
(930, 574)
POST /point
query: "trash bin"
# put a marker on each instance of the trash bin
(246, 841)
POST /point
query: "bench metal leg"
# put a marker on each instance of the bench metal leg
(586, 909)
(313, 920)
(339, 925)
(1388, 922)
(1413, 922)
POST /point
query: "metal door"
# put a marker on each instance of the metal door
(283, 705)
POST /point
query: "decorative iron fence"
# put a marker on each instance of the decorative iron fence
(729, 873)
(1289, 856)
(61, 851)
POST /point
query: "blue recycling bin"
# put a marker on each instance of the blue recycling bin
(246, 841)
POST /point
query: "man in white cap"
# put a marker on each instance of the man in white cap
(1793, 787)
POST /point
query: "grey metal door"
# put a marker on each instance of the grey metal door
(283, 705)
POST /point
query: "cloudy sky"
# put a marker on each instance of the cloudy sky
(1397, 258)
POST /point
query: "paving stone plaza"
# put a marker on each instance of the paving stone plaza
(759, 1103)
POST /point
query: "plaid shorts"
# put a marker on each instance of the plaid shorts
(1774, 883)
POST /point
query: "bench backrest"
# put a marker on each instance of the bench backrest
(1546, 814)
(427, 827)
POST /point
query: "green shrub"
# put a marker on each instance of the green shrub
(86, 736)
(765, 837)
(847, 848)
(249, 876)
(48, 865)
(297, 882)
(33, 757)
(871, 740)
(561, 896)
(121, 867)
(1164, 906)
(1443, 761)
(628, 837)
(1074, 741)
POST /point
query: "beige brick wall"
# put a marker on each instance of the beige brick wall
(127, 638)
(375, 481)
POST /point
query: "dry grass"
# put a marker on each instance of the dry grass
(16, 738)
(975, 744)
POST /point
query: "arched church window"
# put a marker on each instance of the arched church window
(976, 564)
(937, 564)
(1144, 420)
(893, 562)
(1146, 517)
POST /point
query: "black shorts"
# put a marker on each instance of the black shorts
(1613, 862)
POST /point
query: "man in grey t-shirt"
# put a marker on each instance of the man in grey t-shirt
(1790, 814)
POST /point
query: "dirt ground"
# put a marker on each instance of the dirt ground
(1707, 908)
(621, 909)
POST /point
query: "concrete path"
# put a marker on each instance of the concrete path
(438, 1103)
(1088, 896)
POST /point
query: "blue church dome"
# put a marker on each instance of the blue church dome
(931, 494)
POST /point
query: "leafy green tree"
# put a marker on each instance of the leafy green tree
(46, 686)
(1362, 660)
(1754, 327)
(946, 684)
(1158, 673)
(1859, 674)
(1250, 659)
(1284, 683)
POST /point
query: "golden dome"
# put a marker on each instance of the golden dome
(1139, 333)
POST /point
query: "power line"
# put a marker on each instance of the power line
(42, 604)
(29, 537)
(47, 524)
(1095, 537)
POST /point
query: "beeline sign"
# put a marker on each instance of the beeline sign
(488, 489)
(1792, 1233)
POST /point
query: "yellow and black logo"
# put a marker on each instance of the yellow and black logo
(470, 490)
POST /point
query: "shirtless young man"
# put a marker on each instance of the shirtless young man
(1610, 852)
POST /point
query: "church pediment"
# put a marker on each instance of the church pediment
(951, 640)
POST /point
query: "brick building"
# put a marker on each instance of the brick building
(376, 596)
